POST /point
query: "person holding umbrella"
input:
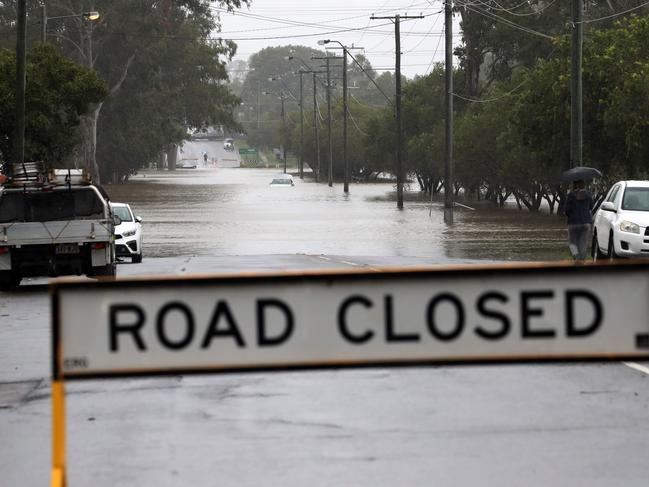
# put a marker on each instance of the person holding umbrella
(579, 205)
(578, 209)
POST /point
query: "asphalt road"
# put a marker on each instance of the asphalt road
(545, 424)
(217, 156)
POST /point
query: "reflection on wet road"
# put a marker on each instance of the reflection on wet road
(222, 211)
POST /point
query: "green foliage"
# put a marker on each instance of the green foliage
(58, 91)
(275, 72)
(164, 71)
(171, 87)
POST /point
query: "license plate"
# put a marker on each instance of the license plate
(67, 248)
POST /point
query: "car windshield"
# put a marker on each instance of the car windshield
(636, 199)
(123, 213)
(282, 180)
(40, 206)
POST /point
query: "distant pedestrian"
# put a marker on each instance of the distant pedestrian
(579, 205)
(205, 157)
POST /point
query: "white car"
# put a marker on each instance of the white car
(285, 180)
(228, 145)
(621, 224)
(128, 234)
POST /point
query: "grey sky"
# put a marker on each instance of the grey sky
(299, 22)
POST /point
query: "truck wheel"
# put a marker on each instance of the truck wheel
(109, 270)
(9, 280)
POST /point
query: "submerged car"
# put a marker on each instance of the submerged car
(621, 224)
(282, 180)
(128, 234)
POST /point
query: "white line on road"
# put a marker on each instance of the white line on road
(641, 368)
(348, 263)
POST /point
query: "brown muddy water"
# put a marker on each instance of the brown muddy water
(234, 211)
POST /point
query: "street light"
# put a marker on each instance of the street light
(91, 16)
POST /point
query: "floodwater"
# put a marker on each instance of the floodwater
(234, 211)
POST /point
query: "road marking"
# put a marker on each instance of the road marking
(349, 263)
(638, 367)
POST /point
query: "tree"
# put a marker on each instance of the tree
(127, 35)
(176, 86)
(58, 92)
(499, 36)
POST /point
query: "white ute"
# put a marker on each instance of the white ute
(53, 224)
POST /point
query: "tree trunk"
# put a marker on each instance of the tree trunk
(88, 127)
(172, 157)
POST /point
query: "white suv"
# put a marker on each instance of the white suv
(621, 224)
(128, 234)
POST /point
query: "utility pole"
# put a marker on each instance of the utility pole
(345, 108)
(315, 128)
(576, 112)
(301, 72)
(21, 47)
(330, 172)
(329, 131)
(399, 129)
(397, 74)
(345, 163)
(301, 128)
(283, 132)
(258, 104)
(448, 160)
(43, 24)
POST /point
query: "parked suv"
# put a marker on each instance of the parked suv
(128, 234)
(621, 224)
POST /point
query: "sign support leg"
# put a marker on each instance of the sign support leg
(58, 434)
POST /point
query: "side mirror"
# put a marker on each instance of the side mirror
(117, 220)
(608, 206)
(138, 219)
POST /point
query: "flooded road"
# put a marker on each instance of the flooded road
(234, 211)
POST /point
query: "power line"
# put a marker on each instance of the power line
(488, 100)
(503, 20)
(356, 125)
(615, 14)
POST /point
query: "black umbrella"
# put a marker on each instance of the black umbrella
(580, 173)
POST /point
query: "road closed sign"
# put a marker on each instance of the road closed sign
(340, 318)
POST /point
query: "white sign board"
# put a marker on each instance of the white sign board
(491, 313)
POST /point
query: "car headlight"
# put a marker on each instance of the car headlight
(130, 233)
(629, 227)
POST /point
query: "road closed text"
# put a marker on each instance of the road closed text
(358, 319)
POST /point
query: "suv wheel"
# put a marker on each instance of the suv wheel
(136, 258)
(596, 253)
(611, 248)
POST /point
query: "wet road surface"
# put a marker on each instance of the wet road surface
(532, 425)
(226, 211)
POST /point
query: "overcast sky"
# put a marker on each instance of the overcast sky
(302, 22)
